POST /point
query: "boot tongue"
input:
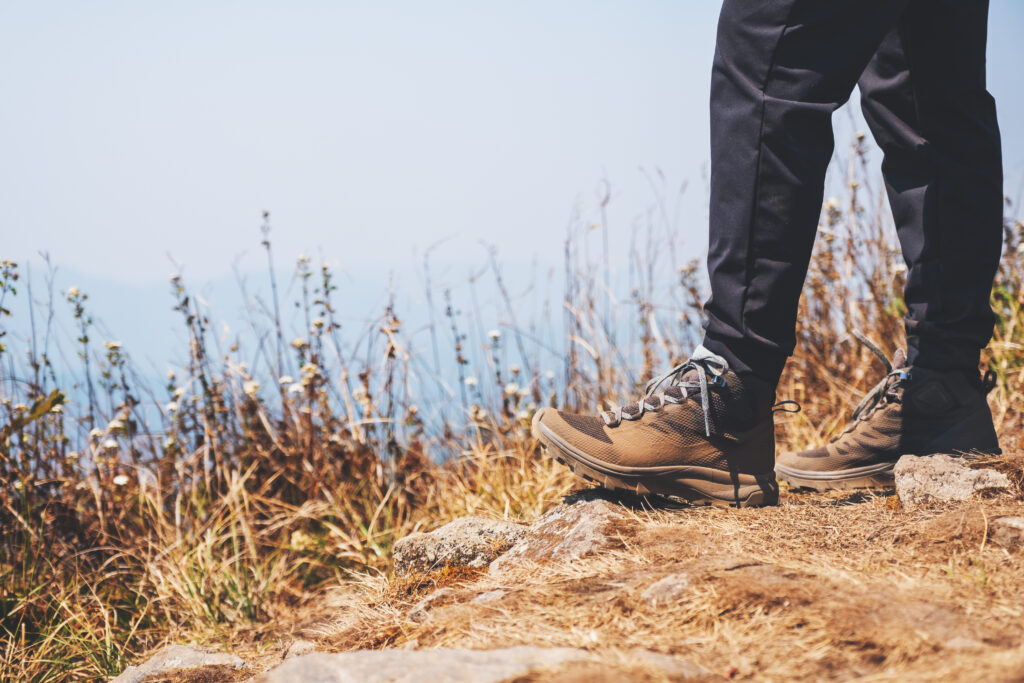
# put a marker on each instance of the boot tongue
(899, 359)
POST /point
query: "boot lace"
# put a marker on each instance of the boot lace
(884, 391)
(708, 370)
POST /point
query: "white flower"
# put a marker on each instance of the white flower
(18, 485)
(300, 343)
(171, 407)
(550, 374)
(121, 480)
(112, 345)
(470, 381)
(899, 267)
(494, 334)
(73, 291)
(251, 387)
(169, 441)
(110, 444)
(295, 388)
(832, 204)
(171, 375)
(514, 368)
(310, 369)
(115, 425)
(57, 409)
(179, 392)
(285, 379)
(95, 433)
(413, 409)
(511, 388)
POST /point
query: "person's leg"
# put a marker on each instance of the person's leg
(924, 97)
(781, 68)
(925, 100)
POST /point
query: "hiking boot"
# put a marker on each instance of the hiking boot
(912, 411)
(701, 433)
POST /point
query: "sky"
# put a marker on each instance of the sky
(140, 138)
(133, 133)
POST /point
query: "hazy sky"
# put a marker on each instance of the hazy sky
(133, 130)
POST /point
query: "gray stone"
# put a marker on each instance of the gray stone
(420, 666)
(667, 590)
(466, 542)
(677, 669)
(421, 610)
(566, 533)
(961, 644)
(299, 647)
(177, 658)
(941, 478)
(1007, 532)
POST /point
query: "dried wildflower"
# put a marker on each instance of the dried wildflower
(112, 345)
(300, 343)
(95, 433)
(73, 292)
(494, 334)
(172, 407)
(295, 388)
(470, 381)
(251, 387)
(285, 379)
(110, 444)
(121, 480)
(511, 388)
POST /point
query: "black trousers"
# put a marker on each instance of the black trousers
(781, 68)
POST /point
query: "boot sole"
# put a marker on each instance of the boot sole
(695, 485)
(878, 475)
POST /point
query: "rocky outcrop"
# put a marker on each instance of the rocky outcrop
(179, 658)
(422, 666)
(462, 666)
(1007, 532)
(466, 542)
(568, 532)
(940, 478)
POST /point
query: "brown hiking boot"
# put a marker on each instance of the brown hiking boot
(912, 411)
(701, 433)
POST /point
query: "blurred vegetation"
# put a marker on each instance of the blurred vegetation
(132, 514)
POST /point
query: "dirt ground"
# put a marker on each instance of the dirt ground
(841, 585)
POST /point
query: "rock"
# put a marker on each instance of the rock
(176, 658)
(676, 669)
(421, 610)
(466, 542)
(1007, 532)
(421, 666)
(961, 644)
(942, 478)
(489, 596)
(299, 647)
(566, 533)
(667, 590)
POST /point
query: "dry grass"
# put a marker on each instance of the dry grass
(825, 585)
(265, 471)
